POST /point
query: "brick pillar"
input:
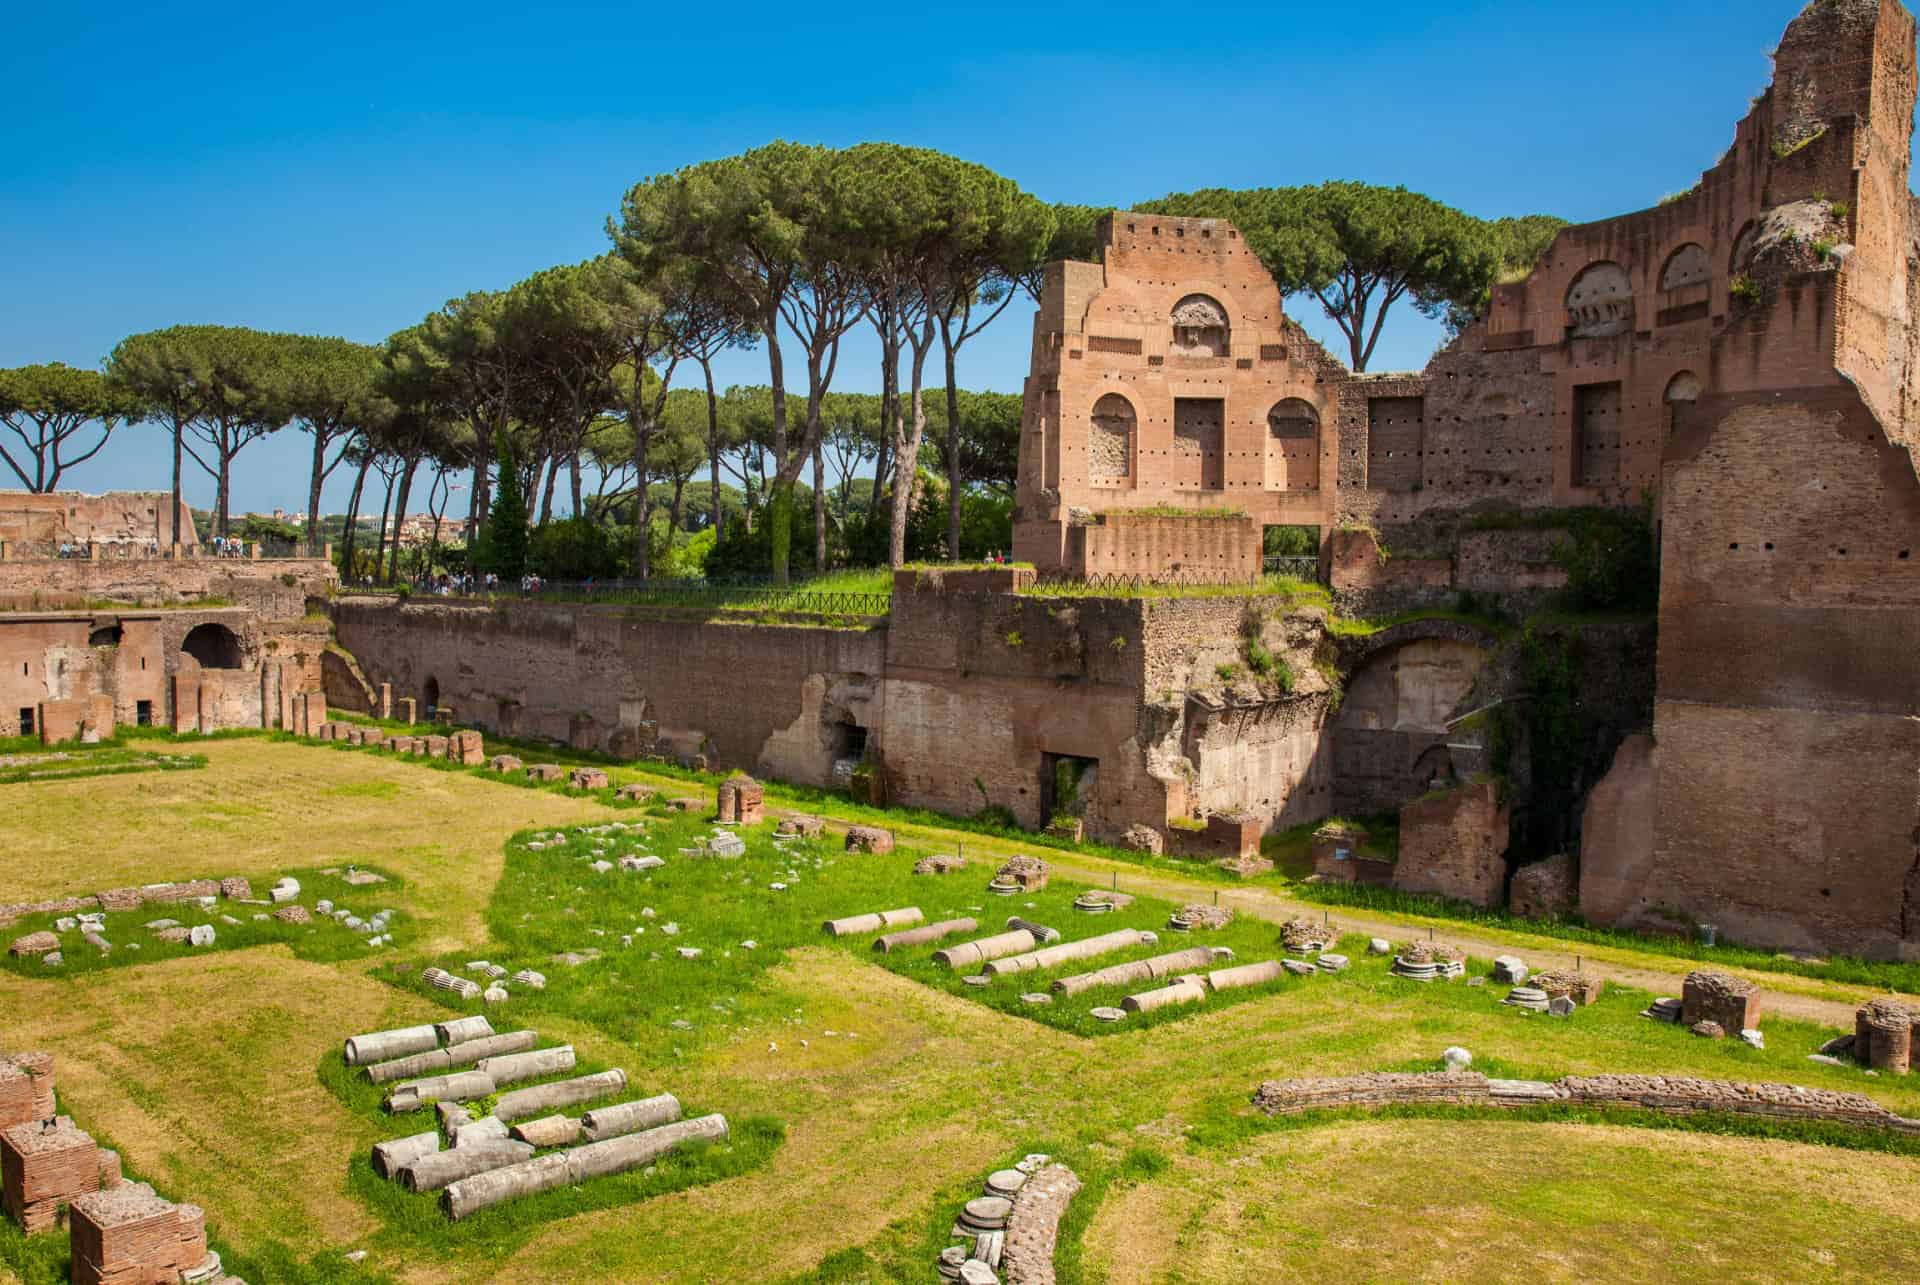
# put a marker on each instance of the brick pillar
(386, 700)
(100, 721)
(313, 712)
(186, 701)
(407, 710)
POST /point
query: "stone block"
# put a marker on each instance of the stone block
(742, 801)
(43, 1166)
(61, 720)
(467, 747)
(26, 1088)
(503, 763)
(128, 1235)
(434, 747)
(868, 838)
(1454, 846)
(798, 823)
(1545, 889)
(1731, 1003)
(546, 772)
(633, 792)
(587, 778)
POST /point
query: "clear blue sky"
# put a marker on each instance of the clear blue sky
(342, 169)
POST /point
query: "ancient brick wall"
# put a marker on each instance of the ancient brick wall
(1169, 375)
(1455, 846)
(1224, 549)
(1789, 701)
(60, 517)
(275, 589)
(776, 700)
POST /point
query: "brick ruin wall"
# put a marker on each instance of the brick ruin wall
(143, 664)
(141, 518)
(776, 700)
(275, 589)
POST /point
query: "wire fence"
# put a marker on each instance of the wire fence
(1299, 566)
(688, 594)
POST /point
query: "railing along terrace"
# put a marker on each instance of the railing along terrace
(1124, 584)
(1299, 566)
(695, 594)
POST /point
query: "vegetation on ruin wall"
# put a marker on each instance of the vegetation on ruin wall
(1609, 555)
(1288, 590)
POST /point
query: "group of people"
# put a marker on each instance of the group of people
(227, 546)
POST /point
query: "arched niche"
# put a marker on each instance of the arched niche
(1688, 266)
(1683, 390)
(215, 646)
(1600, 302)
(1200, 328)
(430, 693)
(1110, 439)
(1293, 445)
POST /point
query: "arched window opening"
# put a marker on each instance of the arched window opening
(1600, 302)
(1293, 446)
(1110, 441)
(1200, 328)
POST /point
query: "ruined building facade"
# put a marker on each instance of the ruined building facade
(1741, 357)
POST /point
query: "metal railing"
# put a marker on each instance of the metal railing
(1299, 566)
(687, 594)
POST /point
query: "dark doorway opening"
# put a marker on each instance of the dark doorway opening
(105, 636)
(26, 720)
(143, 713)
(214, 646)
(1066, 783)
(431, 695)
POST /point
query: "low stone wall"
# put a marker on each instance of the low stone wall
(1669, 1095)
(1034, 1226)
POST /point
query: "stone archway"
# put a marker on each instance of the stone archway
(215, 646)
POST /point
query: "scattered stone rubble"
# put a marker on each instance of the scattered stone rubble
(1578, 987)
(1007, 1234)
(1209, 918)
(940, 863)
(1021, 873)
(1427, 961)
(1304, 937)
(742, 801)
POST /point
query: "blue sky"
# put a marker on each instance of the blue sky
(345, 169)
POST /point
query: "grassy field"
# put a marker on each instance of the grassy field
(869, 1094)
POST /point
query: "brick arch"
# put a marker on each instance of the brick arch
(1688, 265)
(1111, 430)
(1600, 301)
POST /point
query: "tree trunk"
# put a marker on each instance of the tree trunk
(349, 537)
(953, 453)
(221, 478)
(713, 454)
(380, 547)
(673, 510)
(641, 433)
(178, 432)
(819, 512)
(400, 517)
(780, 503)
(573, 472)
(313, 492)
